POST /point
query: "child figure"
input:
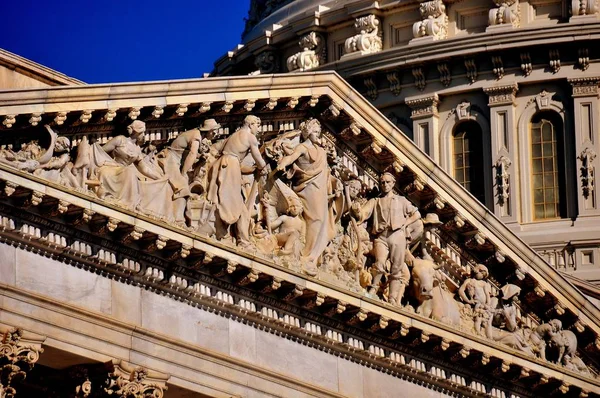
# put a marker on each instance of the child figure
(290, 227)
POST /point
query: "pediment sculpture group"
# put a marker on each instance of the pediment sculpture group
(288, 197)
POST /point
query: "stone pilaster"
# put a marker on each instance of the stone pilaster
(503, 130)
(426, 124)
(586, 107)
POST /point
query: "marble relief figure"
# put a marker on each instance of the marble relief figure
(391, 214)
(288, 198)
(311, 180)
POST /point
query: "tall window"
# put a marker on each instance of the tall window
(468, 158)
(547, 162)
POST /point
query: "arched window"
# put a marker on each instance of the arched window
(467, 154)
(547, 166)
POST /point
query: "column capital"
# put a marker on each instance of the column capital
(502, 95)
(585, 86)
(424, 107)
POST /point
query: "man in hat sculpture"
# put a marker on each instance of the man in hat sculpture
(171, 158)
(391, 214)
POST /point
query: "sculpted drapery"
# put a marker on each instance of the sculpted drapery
(305, 214)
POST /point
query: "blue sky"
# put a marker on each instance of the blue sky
(118, 41)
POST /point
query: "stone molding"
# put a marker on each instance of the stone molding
(502, 95)
(585, 86)
(424, 107)
(388, 143)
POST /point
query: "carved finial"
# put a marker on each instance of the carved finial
(311, 54)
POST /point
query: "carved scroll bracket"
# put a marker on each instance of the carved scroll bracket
(506, 12)
(434, 23)
(368, 40)
(309, 58)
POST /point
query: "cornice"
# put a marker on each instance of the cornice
(375, 130)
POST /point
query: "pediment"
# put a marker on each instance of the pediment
(118, 210)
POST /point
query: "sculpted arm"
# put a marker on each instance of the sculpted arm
(112, 144)
(289, 159)
(191, 157)
(255, 151)
(364, 212)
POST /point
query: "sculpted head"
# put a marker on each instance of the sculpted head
(354, 188)
(310, 130)
(387, 181)
(481, 272)
(253, 123)
(556, 325)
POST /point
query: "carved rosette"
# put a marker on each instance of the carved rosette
(368, 40)
(309, 57)
(127, 381)
(434, 21)
(506, 13)
(18, 355)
